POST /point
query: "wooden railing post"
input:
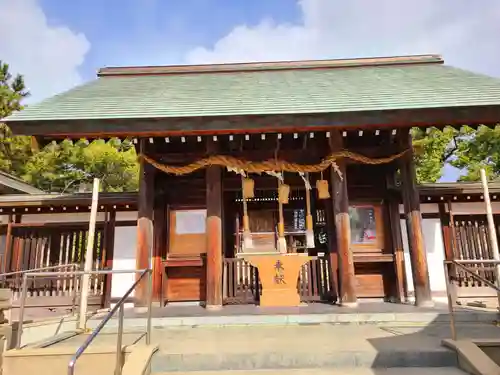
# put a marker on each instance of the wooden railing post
(491, 229)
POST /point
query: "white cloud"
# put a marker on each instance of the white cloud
(466, 33)
(48, 56)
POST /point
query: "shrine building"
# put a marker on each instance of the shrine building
(305, 160)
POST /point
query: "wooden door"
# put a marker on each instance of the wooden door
(185, 265)
(369, 250)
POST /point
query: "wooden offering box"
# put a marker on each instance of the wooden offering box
(278, 274)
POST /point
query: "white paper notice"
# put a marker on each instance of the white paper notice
(190, 222)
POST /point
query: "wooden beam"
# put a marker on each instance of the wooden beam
(70, 200)
(200, 125)
(418, 255)
(343, 226)
(144, 224)
(214, 233)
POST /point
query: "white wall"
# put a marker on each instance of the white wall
(458, 208)
(434, 246)
(124, 255)
(433, 239)
(60, 217)
(425, 208)
(124, 259)
(475, 208)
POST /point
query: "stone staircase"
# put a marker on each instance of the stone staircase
(381, 347)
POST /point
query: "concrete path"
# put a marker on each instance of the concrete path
(247, 348)
(211, 339)
(343, 371)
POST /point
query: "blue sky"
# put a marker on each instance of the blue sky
(62, 43)
(149, 32)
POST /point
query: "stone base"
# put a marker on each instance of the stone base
(350, 305)
(426, 304)
(213, 307)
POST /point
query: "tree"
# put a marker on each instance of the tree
(63, 166)
(432, 150)
(66, 166)
(476, 150)
(14, 151)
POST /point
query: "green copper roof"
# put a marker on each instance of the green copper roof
(266, 89)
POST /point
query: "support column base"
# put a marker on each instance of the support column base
(213, 307)
(428, 303)
(349, 304)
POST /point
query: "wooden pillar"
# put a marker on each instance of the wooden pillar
(160, 232)
(397, 244)
(8, 246)
(144, 223)
(340, 198)
(446, 226)
(17, 246)
(411, 198)
(332, 248)
(109, 243)
(214, 232)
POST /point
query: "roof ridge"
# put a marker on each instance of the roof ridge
(270, 65)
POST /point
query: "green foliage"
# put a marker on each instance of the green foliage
(64, 166)
(468, 150)
(476, 150)
(432, 150)
(12, 91)
(13, 150)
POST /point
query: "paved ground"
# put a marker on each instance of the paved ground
(233, 339)
(365, 307)
(306, 337)
(343, 371)
(370, 349)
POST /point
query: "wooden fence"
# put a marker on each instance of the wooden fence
(33, 246)
(241, 284)
(471, 241)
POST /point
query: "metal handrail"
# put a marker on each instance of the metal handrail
(72, 266)
(460, 264)
(119, 305)
(39, 269)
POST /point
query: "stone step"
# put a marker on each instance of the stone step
(305, 346)
(282, 360)
(342, 371)
(286, 318)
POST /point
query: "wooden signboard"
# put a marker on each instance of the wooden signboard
(185, 269)
(187, 233)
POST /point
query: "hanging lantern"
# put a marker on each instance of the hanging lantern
(248, 188)
(247, 235)
(323, 190)
(283, 193)
(309, 218)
